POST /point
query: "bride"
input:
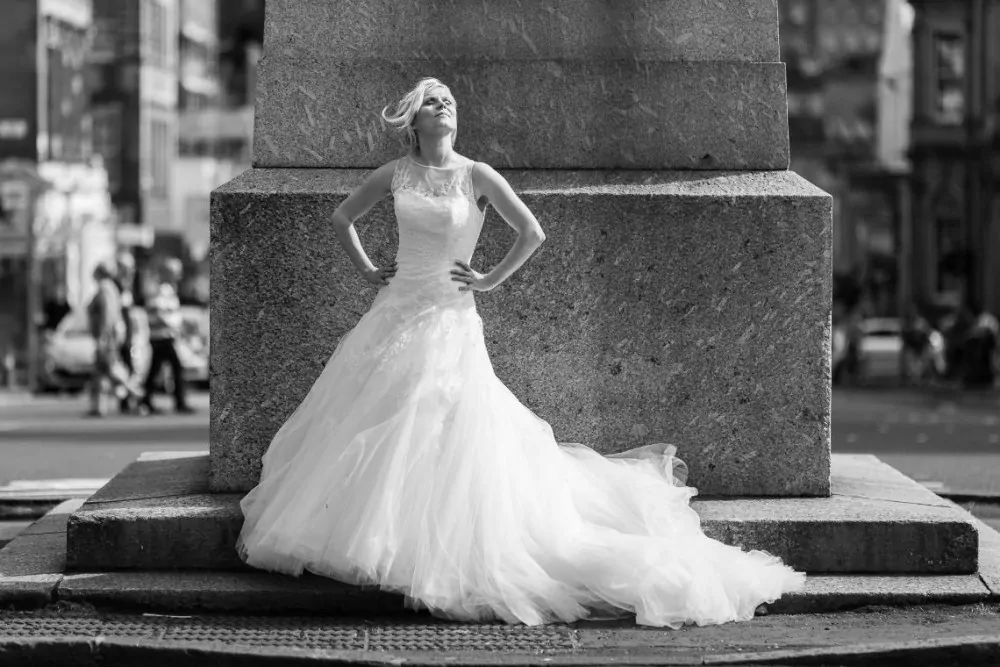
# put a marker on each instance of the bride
(410, 466)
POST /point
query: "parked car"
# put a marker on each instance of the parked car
(67, 353)
(881, 347)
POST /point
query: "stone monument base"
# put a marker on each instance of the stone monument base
(665, 306)
(159, 514)
(154, 538)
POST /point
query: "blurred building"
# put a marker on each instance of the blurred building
(241, 36)
(56, 220)
(134, 65)
(956, 153)
(834, 56)
(215, 130)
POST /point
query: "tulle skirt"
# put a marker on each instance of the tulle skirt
(409, 465)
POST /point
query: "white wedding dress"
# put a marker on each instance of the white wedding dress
(410, 466)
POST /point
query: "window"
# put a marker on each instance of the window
(156, 33)
(952, 254)
(949, 84)
(159, 158)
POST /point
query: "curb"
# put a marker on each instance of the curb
(971, 651)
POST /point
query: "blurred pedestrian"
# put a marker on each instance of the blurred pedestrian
(165, 326)
(979, 351)
(104, 316)
(124, 279)
(854, 333)
(919, 362)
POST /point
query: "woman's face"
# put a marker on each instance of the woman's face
(438, 114)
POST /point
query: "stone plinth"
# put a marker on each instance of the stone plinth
(664, 306)
(573, 84)
(159, 515)
(737, 30)
(533, 114)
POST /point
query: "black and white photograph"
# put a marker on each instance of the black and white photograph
(500, 332)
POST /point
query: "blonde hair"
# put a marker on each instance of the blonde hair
(407, 108)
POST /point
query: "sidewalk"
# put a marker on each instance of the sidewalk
(917, 636)
(975, 399)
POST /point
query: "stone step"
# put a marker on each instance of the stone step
(530, 114)
(684, 307)
(33, 574)
(187, 591)
(515, 30)
(158, 515)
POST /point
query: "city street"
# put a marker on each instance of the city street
(48, 438)
(948, 443)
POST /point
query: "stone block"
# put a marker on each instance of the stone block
(741, 30)
(828, 593)
(989, 552)
(898, 528)
(139, 517)
(31, 566)
(258, 592)
(876, 521)
(663, 307)
(530, 114)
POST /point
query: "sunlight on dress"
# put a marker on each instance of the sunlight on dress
(411, 466)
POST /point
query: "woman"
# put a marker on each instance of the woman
(409, 465)
(107, 326)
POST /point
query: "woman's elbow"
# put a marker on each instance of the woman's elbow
(536, 235)
(340, 221)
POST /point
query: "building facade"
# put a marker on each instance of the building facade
(56, 220)
(955, 154)
(832, 50)
(134, 63)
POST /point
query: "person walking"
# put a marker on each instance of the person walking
(104, 314)
(164, 334)
(124, 278)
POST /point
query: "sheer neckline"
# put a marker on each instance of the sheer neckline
(428, 166)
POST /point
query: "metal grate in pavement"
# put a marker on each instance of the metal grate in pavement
(298, 632)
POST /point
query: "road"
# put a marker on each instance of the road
(947, 443)
(53, 438)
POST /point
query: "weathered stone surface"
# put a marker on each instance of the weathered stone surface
(664, 306)
(989, 553)
(876, 521)
(32, 565)
(826, 593)
(900, 528)
(258, 592)
(530, 114)
(742, 30)
(30, 569)
(156, 514)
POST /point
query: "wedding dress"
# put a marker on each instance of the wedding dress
(410, 466)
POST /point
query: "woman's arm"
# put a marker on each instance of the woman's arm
(516, 214)
(359, 202)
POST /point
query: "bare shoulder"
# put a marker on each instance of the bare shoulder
(487, 180)
(380, 180)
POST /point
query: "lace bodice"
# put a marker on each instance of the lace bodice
(439, 222)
